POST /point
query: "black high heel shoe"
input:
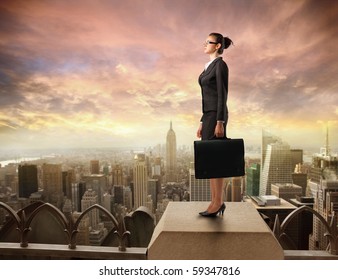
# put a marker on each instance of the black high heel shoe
(214, 214)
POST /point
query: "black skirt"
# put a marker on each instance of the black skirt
(209, 122)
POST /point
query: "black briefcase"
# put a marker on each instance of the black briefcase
(219, 158)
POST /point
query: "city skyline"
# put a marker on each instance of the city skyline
(117, 73)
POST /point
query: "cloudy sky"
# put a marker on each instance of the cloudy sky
(115, 73)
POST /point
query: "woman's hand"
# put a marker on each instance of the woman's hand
(219, 130)
(199, 131)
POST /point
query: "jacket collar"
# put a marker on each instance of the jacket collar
(212, 65)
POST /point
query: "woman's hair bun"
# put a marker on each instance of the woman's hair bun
(227, 42)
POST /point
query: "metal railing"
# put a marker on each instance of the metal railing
(22, 222)
(331, 228)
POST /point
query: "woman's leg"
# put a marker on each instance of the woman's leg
(212, 192)
(217, 185)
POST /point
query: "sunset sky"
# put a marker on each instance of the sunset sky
(113, 73)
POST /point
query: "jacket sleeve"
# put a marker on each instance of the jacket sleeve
(222, 75)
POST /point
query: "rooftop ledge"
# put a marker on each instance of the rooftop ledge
(241, 234)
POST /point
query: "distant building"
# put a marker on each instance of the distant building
(323, 187)
(117, 173)
(286, 191)
(68, 178)
(140, 176)
(156, 167)
(118, 194)
(98, 183)
(52, 183)
(89, 199)
(325, 195)
(199, 188)
(296, 158)
(276, 164)
(78, 190)
(233, 189)
(171, 160)
(28, 180)
(252, 179)
(152, 191)
(107, 201)
(94, 167)
(300, 179)
(52, 178)
(128, 198)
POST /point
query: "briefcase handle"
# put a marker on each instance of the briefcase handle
(219, 138)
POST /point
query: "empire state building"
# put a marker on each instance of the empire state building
(171, 155)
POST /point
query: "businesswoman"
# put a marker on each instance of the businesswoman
(214, 87)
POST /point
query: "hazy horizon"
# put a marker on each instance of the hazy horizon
(115, 73)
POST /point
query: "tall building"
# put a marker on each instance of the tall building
(296, 158)
(117, 173)
(52, 184)
(236, 189)
(94, 167)
(88, 199)
(300, 179)
(152, 191)
(68, 178)
(171, 161)
(107, 201)
(323, 186)
(78, 190)
(267, 139)
(156, 168)
(325, 196)
(276, 164)
(199, 188)
(233, 189)
(252, 179)
(140, 176)
(98, 183)
(128, 198)
(28, 180)
(118, 193)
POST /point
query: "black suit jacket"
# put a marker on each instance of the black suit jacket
(214, 85)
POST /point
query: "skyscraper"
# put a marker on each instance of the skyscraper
(252, 179)
(199, 188)
(68, 178)
(98, 183)
(276, 164)
(296, 158)
(323, 186)
(325, 196)
(94, 167)
(28, 180)
(90, 198)
(118, 192)
(117, 173)
(52, 178)
(236, 189)
(140, 176)
(78, 190)
(267, 138)
(300, 179)
(152, 191)
(171, 174)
